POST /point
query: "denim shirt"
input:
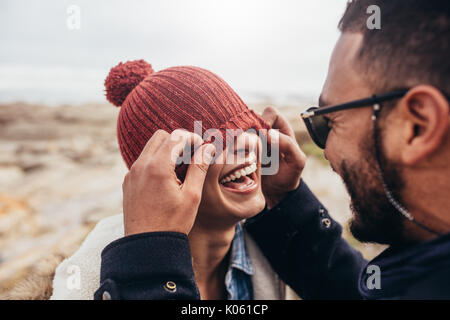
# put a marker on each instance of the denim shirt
(238, 279)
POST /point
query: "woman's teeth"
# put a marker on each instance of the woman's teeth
(239, 173)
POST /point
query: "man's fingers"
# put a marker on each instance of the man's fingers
(288, 147)
(180, 143)
(153, 144)
(269, 115)
(277, 121)
(196, 173)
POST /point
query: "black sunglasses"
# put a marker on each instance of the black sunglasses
(317, 124)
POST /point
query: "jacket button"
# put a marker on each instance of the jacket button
(326, 222)
(106, 295)
(171, 286)
(322, 212)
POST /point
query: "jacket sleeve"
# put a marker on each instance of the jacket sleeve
(304, 246)
(151, 266)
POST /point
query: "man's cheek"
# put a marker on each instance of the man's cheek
(333, 150)
(332, 159)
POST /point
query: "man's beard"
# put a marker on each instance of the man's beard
(374, 218)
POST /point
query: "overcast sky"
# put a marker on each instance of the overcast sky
(276, 49)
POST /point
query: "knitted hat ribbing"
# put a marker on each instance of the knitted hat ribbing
(170, 99)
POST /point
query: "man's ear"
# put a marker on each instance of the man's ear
(425, 111)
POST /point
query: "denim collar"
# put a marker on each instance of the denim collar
(239, 258)
(238, 279)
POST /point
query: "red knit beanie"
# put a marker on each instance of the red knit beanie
(170, 99)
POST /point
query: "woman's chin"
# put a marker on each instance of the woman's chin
(249, 208)
(230, 207)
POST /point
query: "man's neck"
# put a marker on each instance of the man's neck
(427, 198)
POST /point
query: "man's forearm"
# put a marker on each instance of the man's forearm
(301, 241)
(305, 247)
(151, 266)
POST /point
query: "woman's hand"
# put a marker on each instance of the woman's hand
(153, 198)
(292, 159)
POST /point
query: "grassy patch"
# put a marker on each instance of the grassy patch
(309, 147)
(311, 150)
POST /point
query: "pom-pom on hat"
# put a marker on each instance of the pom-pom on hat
(123, 78)
(171, 99)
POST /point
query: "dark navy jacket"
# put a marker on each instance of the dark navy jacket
(304, 246)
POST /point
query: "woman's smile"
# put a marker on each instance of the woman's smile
(232, 189)
(241, 179)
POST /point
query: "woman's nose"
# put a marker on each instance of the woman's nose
(246, 145)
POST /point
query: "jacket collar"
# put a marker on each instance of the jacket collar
(401, 267)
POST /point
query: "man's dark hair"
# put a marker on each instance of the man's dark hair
(411, 48)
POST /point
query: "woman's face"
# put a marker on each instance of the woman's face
(232, 188)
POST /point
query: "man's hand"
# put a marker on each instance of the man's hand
(154, 199)
(292, 159)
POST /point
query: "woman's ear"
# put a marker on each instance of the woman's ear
(425, 111)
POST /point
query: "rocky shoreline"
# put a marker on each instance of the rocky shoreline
(61, 172)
